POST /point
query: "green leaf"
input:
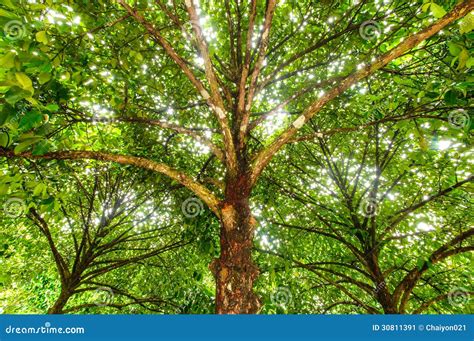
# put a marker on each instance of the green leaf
(450, 97)
(454, 49)
(464, 87)
(15, 94)
(7, 14)
(30, 120)
(420, 263)
(24, 81)
(463, 57)
(47, 201)
(41, 148)
(65, 76)
(437, 10)
(25, 144)
(44, 77)
(455, 59)
(42, 37)
(4, 189)
(4, 140)
(39, 189)
(138, 57)
(8, 60)
(470, 62)
(467, 23)
(52, 107)
(8, 3)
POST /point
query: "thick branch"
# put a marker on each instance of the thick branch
(59, 260)
(262, 159)
(201, 191)
(265, 37)
(406, 286)
(216, 107)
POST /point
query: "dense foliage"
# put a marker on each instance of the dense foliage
(155, 154)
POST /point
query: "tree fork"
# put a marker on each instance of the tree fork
(59, 304)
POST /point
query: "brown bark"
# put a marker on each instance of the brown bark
(213, 99)
(264, 156)
(60, 303)
(201, 191)
(381, 292)
(234, 270)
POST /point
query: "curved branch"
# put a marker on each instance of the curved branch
(201, 191)
(405, 287)
(406, 211)
(163, 124)
(44, 228)
(261, 160)
(212, 101)
(442, 297)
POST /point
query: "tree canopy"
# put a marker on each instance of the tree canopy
(236, 156)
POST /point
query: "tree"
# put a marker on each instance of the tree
(375, 208)
(103, 235)
(215, 74)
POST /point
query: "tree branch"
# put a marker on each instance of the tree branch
(215, 105)
(261, 160)
(59, 260)
(201, 191)
(406, 286)
(406, 211)
(262, 48)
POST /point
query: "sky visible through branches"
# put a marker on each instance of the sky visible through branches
(236, 156)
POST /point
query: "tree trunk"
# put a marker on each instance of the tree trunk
(382, 293)
(58, 306)
(234, 270)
